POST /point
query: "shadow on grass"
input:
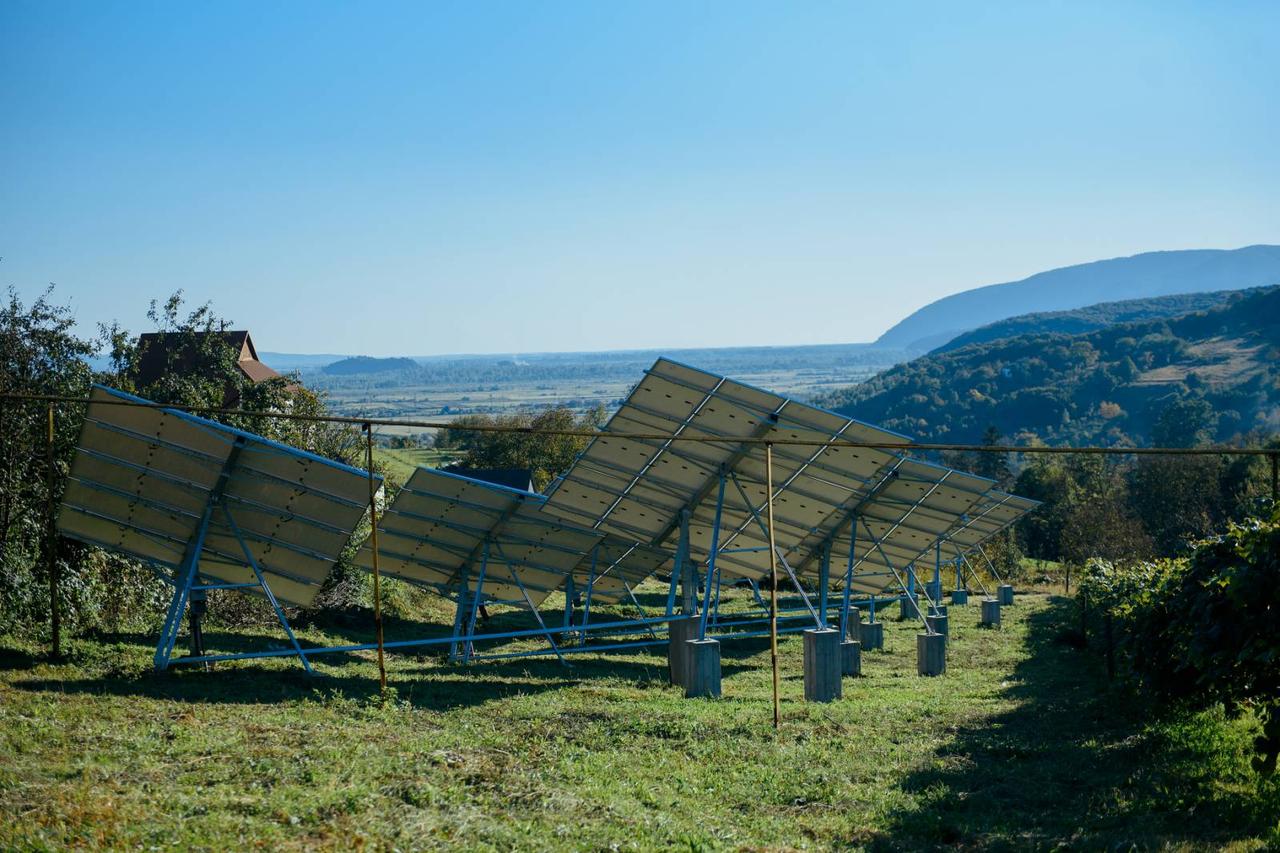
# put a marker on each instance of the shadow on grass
(1082, 765)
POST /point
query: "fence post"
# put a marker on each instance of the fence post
(51, 545)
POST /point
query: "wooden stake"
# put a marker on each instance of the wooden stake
(55, 614)
(373, 544)
(773, 584)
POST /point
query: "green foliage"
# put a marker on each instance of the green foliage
(1094, 317)
(39, 354)
(1217, 373)
(529, 446)
(1200, 630)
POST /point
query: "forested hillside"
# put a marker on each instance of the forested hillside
(1108, 386)
(1093, 317)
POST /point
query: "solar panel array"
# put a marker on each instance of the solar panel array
(442, 528)
(637, 487)
(144, 478)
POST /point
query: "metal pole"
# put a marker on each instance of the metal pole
(373, 544)
(773, 585)
(55, 614)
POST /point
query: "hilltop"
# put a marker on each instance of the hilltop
(1094, 317)
(1106, 386)
(1136, 277)
(365, 364)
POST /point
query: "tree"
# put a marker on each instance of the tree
(39, 354)
(1184, 423)
(525, 441)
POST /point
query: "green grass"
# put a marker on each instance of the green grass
(401, 462)
(1021, 744)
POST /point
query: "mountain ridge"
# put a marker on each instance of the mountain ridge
(1144, 275)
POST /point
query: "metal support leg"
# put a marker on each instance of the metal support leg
(586, 606)
(848, 580)
(902, 584)
(764, 528)
(468, 648)
(536, 614)
(711, 560)
(643, 615)
(182, 582)
(824, 579)
(271, 596)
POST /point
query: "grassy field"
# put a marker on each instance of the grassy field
(1021, 744)
(400, 462)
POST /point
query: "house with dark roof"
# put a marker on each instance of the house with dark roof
(161, 352)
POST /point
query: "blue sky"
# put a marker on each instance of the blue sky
(424, 178)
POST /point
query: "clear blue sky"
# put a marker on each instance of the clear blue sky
(426, 178)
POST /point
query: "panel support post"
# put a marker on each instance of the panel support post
(680, 630)
(182, 582)
(845, 630)
(824, 580)
(990, 613)
(773, 582)
(711, 567)
(703, 676)
(931, 654)
(822, 665)
(51, 544)
(850, 657)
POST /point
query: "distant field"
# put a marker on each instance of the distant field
(1021, 745)
(401, 462)
(441, 390)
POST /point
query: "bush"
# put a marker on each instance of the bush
(1201, 630)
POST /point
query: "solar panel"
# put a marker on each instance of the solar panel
(637, 488)
(904, 520)
(143, 480)
(442, 528)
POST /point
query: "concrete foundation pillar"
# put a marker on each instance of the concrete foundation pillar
(934, 589)
(855, 624)
(1004, 593)
(990, 613)
(822, 665)
(851, 657)
(682, 629)
(931, 654)
(703, 674)
(906, 607)
(938, 625)
(872, 635)
(959, 597)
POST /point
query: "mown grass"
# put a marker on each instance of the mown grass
(401, 462)
(1022, 744)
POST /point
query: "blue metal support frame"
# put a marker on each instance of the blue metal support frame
(182, 582)
(271, 596)
(586, 606)
(901, 583)
(468, 648)
(711, 559)
(536, 615)
(682, 557)
(848, 580)
(764, 528)
(824, 580)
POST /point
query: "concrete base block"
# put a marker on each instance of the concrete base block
(822, 665)
(906, 608)
(990, 613)
(872, 635)
(938, 625)
(931, 654)
(851, 657)
(938, 610)
(855, 624)
(959, 597)
(682, 629)
(934, 590)
(703, 676)
(1005, 594)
